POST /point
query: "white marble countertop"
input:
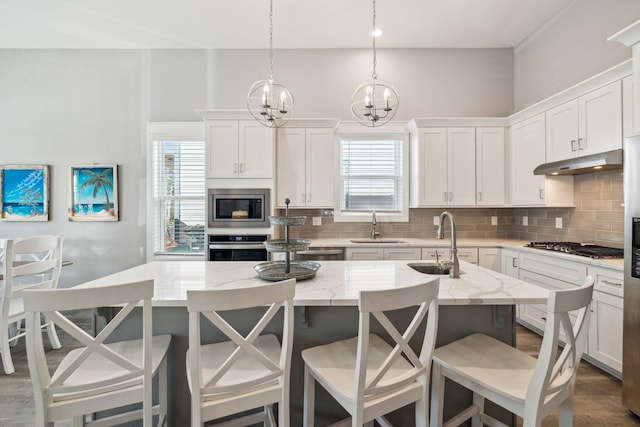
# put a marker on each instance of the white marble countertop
(335, 283)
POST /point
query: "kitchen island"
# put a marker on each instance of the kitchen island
(481, 300)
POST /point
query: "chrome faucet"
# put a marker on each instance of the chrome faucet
(374, 222)
(454, 272)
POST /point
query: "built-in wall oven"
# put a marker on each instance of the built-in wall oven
(238, 207)
(224, 247)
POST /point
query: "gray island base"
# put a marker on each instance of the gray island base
(480, 301)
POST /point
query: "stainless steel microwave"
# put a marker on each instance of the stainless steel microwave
(238, 207)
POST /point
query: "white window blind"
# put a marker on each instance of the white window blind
(371, 174)
(178, 186)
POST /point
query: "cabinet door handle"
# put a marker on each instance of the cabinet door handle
(580, 145)
(612, 283)
(573, 145)
(479, 196)
(514, 262)
(241, 167)
(444, 196)
(235, 168)
(541, 193)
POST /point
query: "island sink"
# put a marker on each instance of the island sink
(429, 268)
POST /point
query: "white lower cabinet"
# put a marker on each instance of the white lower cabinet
(509, 263)
(402, 253)
(604, 343)
(536, 314)
(488, 258)
(605, 327)
(432, 254)
(361, 254)
(551, 272)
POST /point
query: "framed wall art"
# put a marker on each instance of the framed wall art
(93, 193)
(24, 192)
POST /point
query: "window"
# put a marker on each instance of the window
(373, 177)
(177, 189)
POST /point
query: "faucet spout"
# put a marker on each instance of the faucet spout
(374, 223)
(454, 272)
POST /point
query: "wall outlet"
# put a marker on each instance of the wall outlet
(559, 222)
(436, 220)
(525, 221)
(494, 220)
(317, 220)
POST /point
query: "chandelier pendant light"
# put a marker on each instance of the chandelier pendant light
(270, 102)
(374, 102)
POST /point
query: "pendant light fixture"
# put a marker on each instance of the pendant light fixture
(375, 101)
(270, 102)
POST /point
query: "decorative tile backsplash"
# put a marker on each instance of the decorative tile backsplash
(597, 218)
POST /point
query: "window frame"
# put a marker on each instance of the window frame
(170, 131)
(390, 132)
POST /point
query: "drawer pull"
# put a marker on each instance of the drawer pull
(619, 285)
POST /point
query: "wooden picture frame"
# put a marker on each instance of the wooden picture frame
(24, 192)
(93, 193)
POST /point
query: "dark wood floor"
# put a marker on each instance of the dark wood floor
(597, 394)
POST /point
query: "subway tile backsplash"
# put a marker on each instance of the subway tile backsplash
(597, 218)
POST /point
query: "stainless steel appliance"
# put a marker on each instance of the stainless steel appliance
(224, 247)
(238, 207)
(321, 254)
(631, 316)
(581, 249)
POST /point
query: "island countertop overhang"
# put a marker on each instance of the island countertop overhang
(336, 283)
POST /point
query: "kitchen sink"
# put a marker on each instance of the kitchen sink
(429, 268)
(376, 241)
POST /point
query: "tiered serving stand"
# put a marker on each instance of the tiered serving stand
(287, 269)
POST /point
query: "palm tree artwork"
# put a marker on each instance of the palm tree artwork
(95, 197)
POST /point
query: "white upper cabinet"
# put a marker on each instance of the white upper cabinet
(461, 166)
(305, 160)
(490, 166)
(587, 125)
(443, 167)
(527, 150)
(238, 149)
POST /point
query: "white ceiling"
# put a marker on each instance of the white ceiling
(242, 24)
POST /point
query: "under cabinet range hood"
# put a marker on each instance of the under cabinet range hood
(609, 160)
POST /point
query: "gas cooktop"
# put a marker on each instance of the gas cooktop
(581, 249)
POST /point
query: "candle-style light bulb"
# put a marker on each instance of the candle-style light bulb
(283, 96)
(265, 95)
(386, 99)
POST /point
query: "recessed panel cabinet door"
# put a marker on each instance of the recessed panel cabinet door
(527, 148)
(222, 150)
(461, 159)
(290, 179)
(433, 167)
(255, 155)
(562, 131)
(490, 166)
(320, 167)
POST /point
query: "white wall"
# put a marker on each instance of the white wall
(571, 48)
(430, 82)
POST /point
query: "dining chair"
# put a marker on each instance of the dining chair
(102, 374)
(30, 263)
(250, 370)
(366, 375)
(528, 387)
